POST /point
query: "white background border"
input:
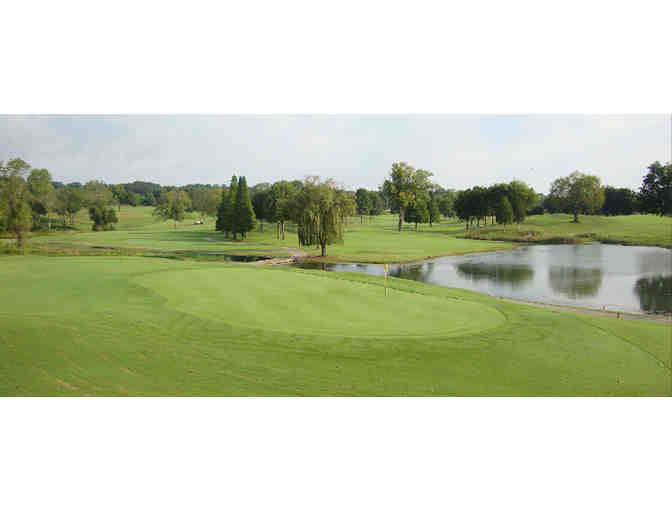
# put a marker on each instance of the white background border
(338, 57)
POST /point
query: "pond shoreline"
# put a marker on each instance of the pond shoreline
(594, 276)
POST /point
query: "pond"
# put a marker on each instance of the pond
(619, 278)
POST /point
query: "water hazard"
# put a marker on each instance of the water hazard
(618, 278)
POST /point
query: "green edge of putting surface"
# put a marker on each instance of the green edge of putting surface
(309, 303)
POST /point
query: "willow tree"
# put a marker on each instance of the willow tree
(321, 208)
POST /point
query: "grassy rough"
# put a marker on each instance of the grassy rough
(137, 326)
(643, 230)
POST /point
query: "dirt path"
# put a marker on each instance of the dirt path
(295, 253)
(587, 311)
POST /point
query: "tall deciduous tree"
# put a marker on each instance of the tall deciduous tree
(364, 203)
(521, 197)
(578, 193)
(39, 185)
(406, 185)
(261, 203)
(619, 201)
(68, 203)
(244, 218)
(15, 195)
(656, 191)
(417, 213)
(281, 204)
(447, 203)
(102, 216)
(321, 209)
(171, 206)
(504, 213)
(98, 191)
(434, 212)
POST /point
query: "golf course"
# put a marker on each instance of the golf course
(132, 326)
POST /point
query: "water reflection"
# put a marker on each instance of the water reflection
(419, 273)
(655, 293)
(575, 282)
(515, 275)
(625, 278)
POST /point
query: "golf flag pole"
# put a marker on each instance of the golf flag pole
(386, 270)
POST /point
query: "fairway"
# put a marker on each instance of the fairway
(303, 302)
(138, 326)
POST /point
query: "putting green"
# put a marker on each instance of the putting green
(304, 302)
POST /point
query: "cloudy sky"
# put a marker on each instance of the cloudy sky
(461, 150)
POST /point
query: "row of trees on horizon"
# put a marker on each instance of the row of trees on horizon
(29, 198)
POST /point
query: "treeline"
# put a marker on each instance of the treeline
(501, 203)
(575, 194)
(30, 199)
(319, 209)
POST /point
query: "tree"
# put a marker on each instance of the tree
(619, 201)
(504, 211)
(244, 218)
(212, 200)
(521, 196)
(98, 190)
(363, 202)
(434, 213)
(656, 191)
(321, 209)
(102, 216)
(16, 197)
(447, 203)
(120, 194)
(41, 189)
(463, 207)
(417, 213)
(377, 203)
(171, 206)
(221, 211)
(225, 212)
(405, 186)
(578, 193)
(281, 203)
(260, 204)
(68, 202)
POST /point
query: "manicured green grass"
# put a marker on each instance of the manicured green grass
(376, 240)
(645, 230)
(134, 326)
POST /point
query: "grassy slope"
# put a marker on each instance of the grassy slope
(122, 327)
(646, 230)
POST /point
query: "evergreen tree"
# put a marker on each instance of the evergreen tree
(230, 214)
(224, 221)
(244, 218)
(220, 224)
